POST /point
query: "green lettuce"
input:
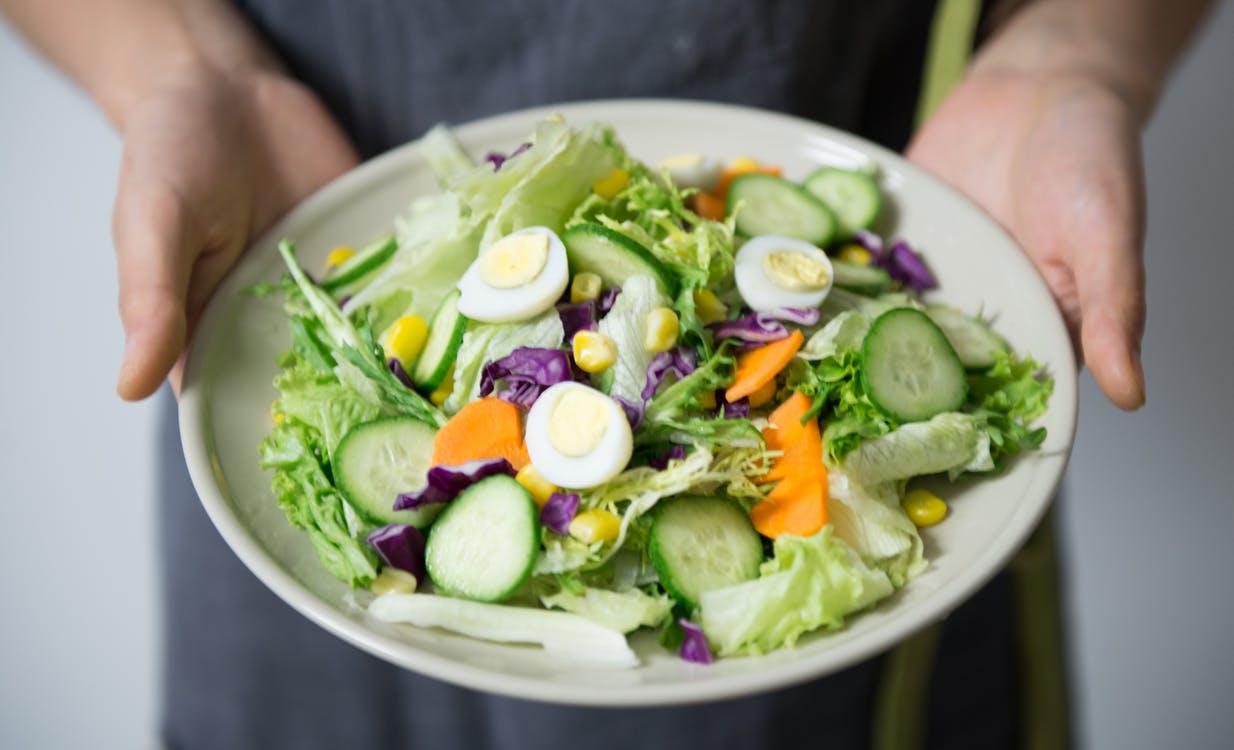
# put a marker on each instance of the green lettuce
(1005, 400)
(487, 342)
(321, 401)
(675, 414)
(872, 522)
(624, 325)
(949, 442)
(810, 583)
(623, 611)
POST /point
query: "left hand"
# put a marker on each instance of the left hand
(1055, 158)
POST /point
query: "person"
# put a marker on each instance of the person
(231, 114)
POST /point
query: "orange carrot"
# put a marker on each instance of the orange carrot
(758, 366)
(798, 504)
(710, 206)
(488, 428)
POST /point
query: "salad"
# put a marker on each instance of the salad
(574, 396)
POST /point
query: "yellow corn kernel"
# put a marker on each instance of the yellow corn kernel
(405, 339)
(763, 394)
(393, 581)
(708, 307)
(439, 396)
(743, 164)
(540, 488)
(279, 417)
(924, 508)
(595, 525)
(339, 255)
(707, 399)
(660, 330)
(584, 287)
(593, 351)
(854, 253)
(611, 184)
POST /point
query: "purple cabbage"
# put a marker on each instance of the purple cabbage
(607, 298)
(400, 547)
(446, 482)
(526, 373)
(558, 512)
(634, 411)
(764, 326)
(660, 462)
(871, 242)
(396, 367)
(496, 158)
(907, 267)
(680, 362)
(694, 647)
(578, 316)
(739, 409)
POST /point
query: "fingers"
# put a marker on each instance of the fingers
(151, 234)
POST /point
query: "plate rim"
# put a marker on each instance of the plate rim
(196, 436)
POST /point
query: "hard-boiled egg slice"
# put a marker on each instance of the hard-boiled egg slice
(577, 437)
(774, 271)
(693, 171)
(516, 278)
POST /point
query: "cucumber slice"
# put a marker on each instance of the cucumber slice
(445, 336)
(485, 543)
(771, 205)
(909, 369)
(613, 257)
(869, 280)
(698, 544)
(366, 260)
(973, 341)
(853, 197)
(378, 460)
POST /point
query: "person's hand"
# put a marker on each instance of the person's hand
(210, 161)
(1056, 160)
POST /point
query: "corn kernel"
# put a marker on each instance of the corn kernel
(743, 164)
(708, 307)
(540, 488)
(393, 581)
(763, 394)
(593, 351)
(707, 399)
(660, 330)
(611, 184)
(595, 525)
(584, 287)
(924, 508)
(439, 396)
(406, 339)
(338, 256)
(279, 417)
(854, 253)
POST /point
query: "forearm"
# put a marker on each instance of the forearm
(1129, 46)
(121, 49)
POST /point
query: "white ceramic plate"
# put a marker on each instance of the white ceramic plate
(224, 409)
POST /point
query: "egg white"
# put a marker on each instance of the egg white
(693, 171)
(759, 291)
(480, 301)
(608, 459)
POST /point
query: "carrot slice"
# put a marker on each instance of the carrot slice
(488, 428)
(710, 206)
(802, 515)
(798, 504)
(759, 366)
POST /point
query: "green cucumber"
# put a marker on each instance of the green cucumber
(853, 197)
(909, 369)
(771, 205)
(613, 257)
(445, 336)
(377, 461)
(484, 544)
(366, 260)
(974, 342)
(698, 544)
(868, 280)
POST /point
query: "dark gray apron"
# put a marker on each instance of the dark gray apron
(243, 670)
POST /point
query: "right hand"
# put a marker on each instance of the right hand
(210, 162)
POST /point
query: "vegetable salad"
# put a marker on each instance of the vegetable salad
(575, 395)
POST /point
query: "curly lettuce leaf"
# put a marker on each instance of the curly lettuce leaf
(1005, 400)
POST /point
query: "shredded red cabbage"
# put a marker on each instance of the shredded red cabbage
(694, 647)
(907, 267)
(446, 482)
(396, 367)
(400, 547)
(496, 158)
(871, 242)
(660, 462)
(739, 409)
(634, 411)
(558, 512)
(765, 326)
(525, 373)
(579, 316)
(680, 362)
(607, 298)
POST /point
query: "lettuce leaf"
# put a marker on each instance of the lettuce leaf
(624, 325)
(950, 442)
(322, 402)
(623, 611)
(1005, 400)
(810, 583)
(488, 342)
(872, 522)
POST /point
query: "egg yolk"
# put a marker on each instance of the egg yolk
(578, 422)
(514, 261)
(795, 271)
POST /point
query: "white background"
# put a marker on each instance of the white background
(1148, 518)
